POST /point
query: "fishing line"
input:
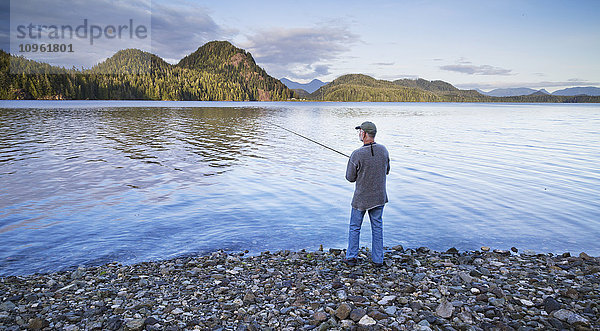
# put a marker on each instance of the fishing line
(314, 141)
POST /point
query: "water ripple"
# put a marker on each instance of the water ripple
(91, 182)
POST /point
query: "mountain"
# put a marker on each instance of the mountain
(540, 92)
(215, 71)
(358, 87)
(572, 91)
(308, 87)
(235, 65)
(131, 61)
(512, 92)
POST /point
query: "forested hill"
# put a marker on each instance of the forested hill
(357, 87)
(216, 71)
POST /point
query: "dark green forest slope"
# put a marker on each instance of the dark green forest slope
(216, 71)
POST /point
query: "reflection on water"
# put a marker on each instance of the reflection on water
(87, 183)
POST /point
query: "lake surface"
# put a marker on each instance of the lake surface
(85, 183)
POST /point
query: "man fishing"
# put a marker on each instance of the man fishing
(368, 167)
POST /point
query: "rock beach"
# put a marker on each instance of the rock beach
(416, 289)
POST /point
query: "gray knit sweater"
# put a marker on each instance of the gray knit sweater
(369, 172)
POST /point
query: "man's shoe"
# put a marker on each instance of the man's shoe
(350, 262)
(377, 265)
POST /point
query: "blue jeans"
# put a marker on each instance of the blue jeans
(356, 218)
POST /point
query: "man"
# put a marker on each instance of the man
(368, 167)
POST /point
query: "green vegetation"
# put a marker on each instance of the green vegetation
(216, 71)
(356, 87)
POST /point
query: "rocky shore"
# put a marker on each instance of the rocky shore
(416, 289)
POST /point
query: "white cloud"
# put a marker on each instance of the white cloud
(469, 69)
(179, 29)
(300, 52)
(380, 64)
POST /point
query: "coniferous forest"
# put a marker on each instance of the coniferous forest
(216, 71)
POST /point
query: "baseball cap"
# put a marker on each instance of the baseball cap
(368, 127)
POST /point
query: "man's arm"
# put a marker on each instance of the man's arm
(351, 171)
(388, 167)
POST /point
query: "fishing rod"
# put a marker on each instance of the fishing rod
(314, 141)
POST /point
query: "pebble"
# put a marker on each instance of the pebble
(176, 311)
(417, 289)
(357, 314)
(527, 303)
(391, 310)
(386, 300)
(320, 316)
(465, 277)
(550, 304)
(367, 321)
(445, 309)
(343, 311)
(135, 325)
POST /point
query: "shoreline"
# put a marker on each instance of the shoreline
(416, 289)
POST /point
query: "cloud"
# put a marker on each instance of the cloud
(485, 69)
(300, 52)
(179, 28)
(384, 63)
(309, 71)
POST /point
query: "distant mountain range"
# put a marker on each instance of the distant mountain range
(314, 85)
(591, 91)
(512, 92)
(358, 87)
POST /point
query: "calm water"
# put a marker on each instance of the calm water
(91, 182)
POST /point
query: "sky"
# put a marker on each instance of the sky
(470, 44)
